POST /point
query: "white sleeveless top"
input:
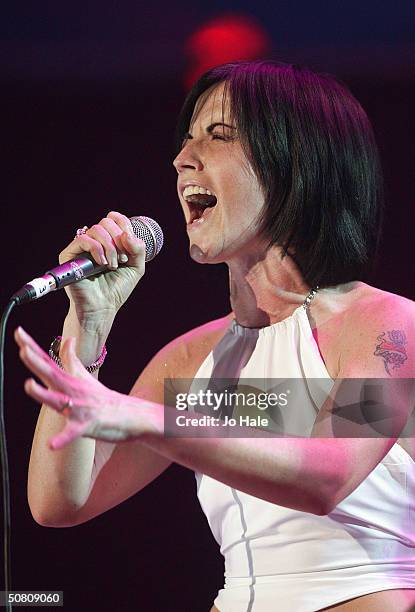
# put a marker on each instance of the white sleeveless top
(279, 559)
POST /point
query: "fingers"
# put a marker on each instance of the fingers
(22, 338)
(106, 233)
(62, 391)
(84, 244)
(54, 399)
(38, 362)
(110, 242)
(58, 402)
(47, 371)
(33, 356)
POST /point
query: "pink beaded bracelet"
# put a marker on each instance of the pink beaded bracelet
(54, 355)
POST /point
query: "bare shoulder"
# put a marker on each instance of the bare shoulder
(375, 308)
(183, 356)
(375, 300)
(378, 332)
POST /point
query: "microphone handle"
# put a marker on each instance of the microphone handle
(75, 270)
(83, 265)
(67, 273)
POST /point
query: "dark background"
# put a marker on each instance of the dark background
(90, 94)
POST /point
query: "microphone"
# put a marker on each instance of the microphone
(84, 266)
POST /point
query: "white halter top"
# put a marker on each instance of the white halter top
(284, 560)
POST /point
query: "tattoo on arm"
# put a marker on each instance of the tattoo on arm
(392, 349)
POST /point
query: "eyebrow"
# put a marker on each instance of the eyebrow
(212, 126)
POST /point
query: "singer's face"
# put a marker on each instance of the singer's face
(212, 159)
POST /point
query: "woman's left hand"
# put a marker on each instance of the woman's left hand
(91, 409)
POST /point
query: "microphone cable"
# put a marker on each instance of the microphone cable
(5, 464)
(144, 228)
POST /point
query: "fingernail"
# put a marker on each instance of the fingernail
(113, 262)
(104, 260)
(123, 258)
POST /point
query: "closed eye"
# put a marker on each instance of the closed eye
(215, 135)
(221, 136)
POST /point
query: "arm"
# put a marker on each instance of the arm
(251, 465)
(377, 364)
(311, 475)
(74, 485)
(59, 483)
(315, 474)
(88, 476)
(114, 472)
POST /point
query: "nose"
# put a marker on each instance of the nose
(188, 158)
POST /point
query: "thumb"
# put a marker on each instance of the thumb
(67, 435)
(135, 249)
(70, 361)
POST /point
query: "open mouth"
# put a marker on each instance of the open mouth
(199, 200)
(198, 204)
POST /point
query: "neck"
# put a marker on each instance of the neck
(265, 289)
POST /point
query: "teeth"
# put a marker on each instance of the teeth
(195, 189)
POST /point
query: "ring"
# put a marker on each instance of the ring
(81, 230)
(67, 406)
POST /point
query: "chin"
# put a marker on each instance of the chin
(206, 255)
(200, 256)
(203, 250)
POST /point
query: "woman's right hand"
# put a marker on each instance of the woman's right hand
(110, 242)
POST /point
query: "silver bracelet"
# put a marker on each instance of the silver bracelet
(54, 355)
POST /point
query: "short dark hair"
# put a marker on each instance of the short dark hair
(313, 150)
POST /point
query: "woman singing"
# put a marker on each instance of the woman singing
(278, 177)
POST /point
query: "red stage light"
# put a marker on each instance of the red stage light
(225, 39)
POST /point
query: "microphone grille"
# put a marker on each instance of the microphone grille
(150, 232)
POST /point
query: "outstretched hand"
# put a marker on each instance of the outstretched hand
(91, 409)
